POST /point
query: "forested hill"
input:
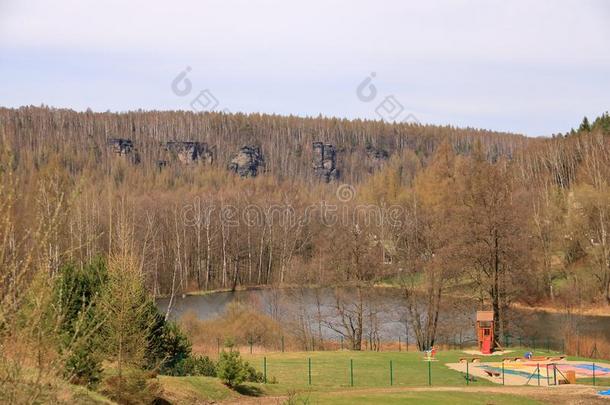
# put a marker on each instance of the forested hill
(196, 198)
(285, 144)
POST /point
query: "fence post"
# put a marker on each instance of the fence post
(407, 342)
(399, 343)
(265, 370)
(309, 369)
(467, 374)
(538, 371)
(391, 374)
(250, 341)
(351, 372)
(282, 343)
(341, 342)
(429, 372)
(594, 374)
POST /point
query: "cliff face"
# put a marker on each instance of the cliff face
(325, 161)
(120, 146)
(124, 148)
(376, 157)
(191, 152)
(248, 161)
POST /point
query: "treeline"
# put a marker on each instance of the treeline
(505, 217)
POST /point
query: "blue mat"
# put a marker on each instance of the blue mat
(607, 392)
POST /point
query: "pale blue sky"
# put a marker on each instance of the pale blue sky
(533, 67)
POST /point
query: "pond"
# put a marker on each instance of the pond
(385, 306)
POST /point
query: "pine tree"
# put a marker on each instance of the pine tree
(231, 369)
(585, 126)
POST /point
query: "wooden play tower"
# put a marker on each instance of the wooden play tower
(485, 331)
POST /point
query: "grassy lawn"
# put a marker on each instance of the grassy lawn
(288, 377)
(331, 370)
(413, 397)
(190, 389)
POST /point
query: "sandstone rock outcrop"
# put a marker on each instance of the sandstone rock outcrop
(248, 161)
(124, 148)
(376, 157)
(325, 161)
(189, 152)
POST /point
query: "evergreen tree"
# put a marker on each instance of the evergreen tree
(602, 123)
(77, 292)
(231, 368)
(584, 126)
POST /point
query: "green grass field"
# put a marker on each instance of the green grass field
(331, 381)
(369, 369)
(331, 370)
(412, 397)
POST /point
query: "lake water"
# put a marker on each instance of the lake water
(456, 320)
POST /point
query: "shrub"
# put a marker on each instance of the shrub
(76, 293)
(168, 346)
(84, 365)
(194, 366)
(231, 369)
(252, 375)
(133, 386)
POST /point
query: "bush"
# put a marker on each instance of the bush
(76, 293)
(193, 366)
(84, 365)
(231, 368)
(252, 375)
(134, 386)
(167, 345)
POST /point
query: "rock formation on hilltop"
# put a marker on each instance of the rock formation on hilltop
(376, 157)
(325, 161)
(189, 152)
(124, 148)
(247, 161)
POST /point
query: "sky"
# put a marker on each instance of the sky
(530, 67)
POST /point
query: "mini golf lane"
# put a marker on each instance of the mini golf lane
(526, 372)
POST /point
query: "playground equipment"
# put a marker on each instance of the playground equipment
(485, 331)
(539, 373)
(429, 355)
